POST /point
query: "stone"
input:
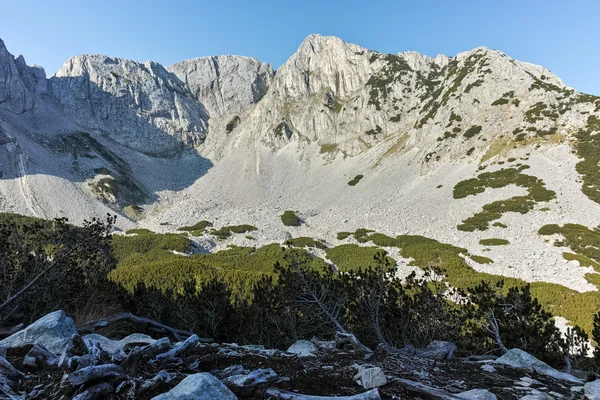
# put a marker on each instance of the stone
(592, 390)
(438, 350)
(518, 358)
(202, 386)
(53, 331)
(477, 394)
(371, 378)
(488, 368)
(303, 348)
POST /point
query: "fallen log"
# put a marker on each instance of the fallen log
(179, 348)
(342, 338)
(175, 334)
(103, 372)
(139, 354)
(274, 393)
(427, 391)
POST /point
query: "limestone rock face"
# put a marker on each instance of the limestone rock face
(19, 83)
(225, 84)
(142, 106)
(53, 331)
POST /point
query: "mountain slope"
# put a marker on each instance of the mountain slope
(229, 140)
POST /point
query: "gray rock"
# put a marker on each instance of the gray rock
(488, 368)
(202, 386)
(438, 350)
(142, 106)
(225, 84)
(371, 378)
(592, 390)
(53, 331)
(518, 358)
(303, 348)
(477, 394)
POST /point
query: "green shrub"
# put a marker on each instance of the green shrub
(197, 227)
(494, 242)
(500, 102)
(472, 131)
(289, 218)
(138, 231)
(305, 242)
(481, 260)
(351, 257)
(328, 148)
(226, 231)
(355, 180)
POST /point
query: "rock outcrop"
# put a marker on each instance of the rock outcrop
(142, 106)
(225, 85)
(54, 331)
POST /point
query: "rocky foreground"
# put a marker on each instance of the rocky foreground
(51, 360)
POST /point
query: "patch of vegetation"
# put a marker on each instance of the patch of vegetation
(351, 257)
(481, 259)
(538, 111)
(470, 151)
(453, 118)
(471, 85)
(381, 82)
(197, 229)
(121, 188)
(231, 125)
(499, 225)
(328, 148)
(494, 242)
(138, 231)
(447, 135)
(579, 308)
(355, 180)
(536, 188)
(516, 102)
(305, 242)
(374, 131)
(472, 131)
(583, 241)
(500, 101)
(289, 218)
(588, 150)
(343, 235)
(227, 231)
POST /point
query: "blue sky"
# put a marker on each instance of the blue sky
(563, 36)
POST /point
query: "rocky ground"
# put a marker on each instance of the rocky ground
(50, 360)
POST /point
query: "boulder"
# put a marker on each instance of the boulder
(438, 350)
(202, 386)
(303, 348)
(592, 390)
(53, 331)
(518, 358)
(477, 394)
(371, 378)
